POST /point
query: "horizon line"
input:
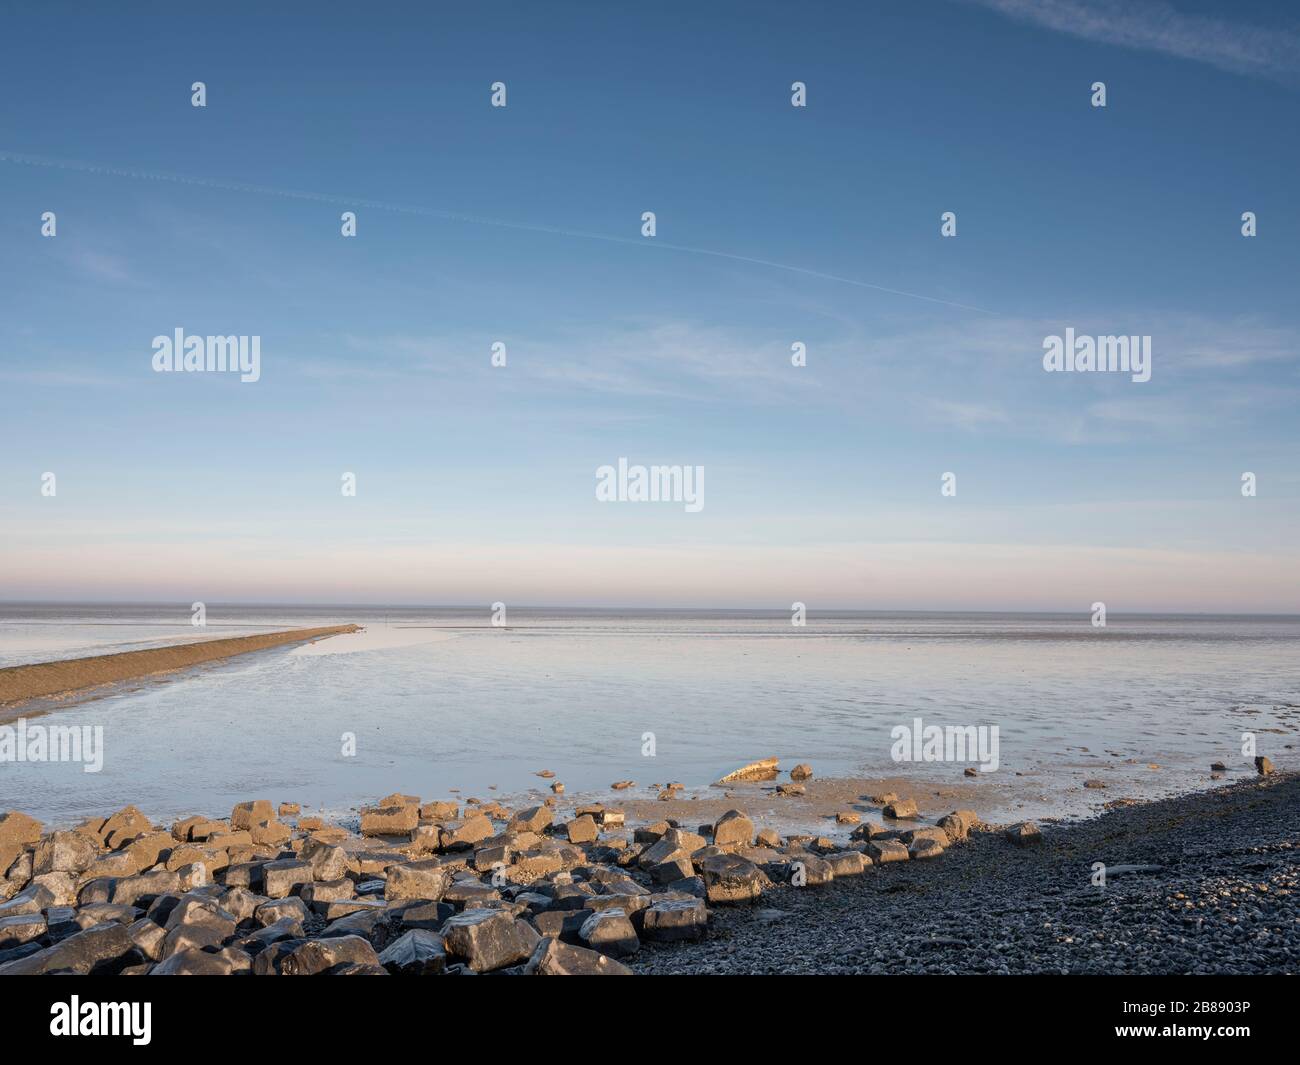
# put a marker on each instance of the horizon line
(588, 608)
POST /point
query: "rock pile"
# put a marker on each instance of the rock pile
(424, 888)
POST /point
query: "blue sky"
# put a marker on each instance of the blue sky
(775, 224)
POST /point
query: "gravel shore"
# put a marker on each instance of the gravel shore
(1224, 900)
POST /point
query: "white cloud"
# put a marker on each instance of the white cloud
(1160, 27)
(968, 415)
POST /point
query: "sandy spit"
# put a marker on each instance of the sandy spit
(19, 684)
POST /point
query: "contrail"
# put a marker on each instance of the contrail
(455, 216)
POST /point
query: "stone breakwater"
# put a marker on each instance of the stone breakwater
(417, 888)
(18, 684)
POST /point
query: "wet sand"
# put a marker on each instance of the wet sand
(43, 680)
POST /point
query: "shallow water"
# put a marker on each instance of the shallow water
(441, 699)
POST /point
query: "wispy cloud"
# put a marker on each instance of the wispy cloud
(470, 219)
(967, 415)
(680, 360)
(104, 267)
(982, 377)
(59, 379)
(1160, 27)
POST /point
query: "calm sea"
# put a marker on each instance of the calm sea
(440, 698)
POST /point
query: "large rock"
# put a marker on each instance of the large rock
(534, 819)
(243, 874)
(333, 909)
(278, 909)
(197, 922)
(1263, 766)
(554, 958)
(196, 829)
(934, 832)
(808, 870)
(389, 820)
(198, 936)
(32, 899)
(196, 907)
(733, 829)
(610, 932)
(144, 887)
(426, 838)
(676, 865)
(123, 827)
(671, 920)
(247, 814)
(900, 809)
(149, 938)
(328, 861)
(23, 928)
(955, 826)
(1023, 834)
(280, 878)
(847, 863)
(485, 858)
(488, 939)
(924, 847)
(194, 963)
(350, 969)
(64, 852)
(319, 891)
(417, 880)
(321, 955)
(96, 891)
(17, 827)
(537, 863)
(113, 866)
(210, 857)
(562, 924)
(277, 932)
(884, 851)
(270, 833)
(17, 832)
(89, 916)
(731, 878)
(15, 867)
(427, 915)
(456, 835)
(666, 849)
(241, 903)
(581, 829)
(763, 769)
(63, 886)
(471, 894)
(104, 949)
(415, 953)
